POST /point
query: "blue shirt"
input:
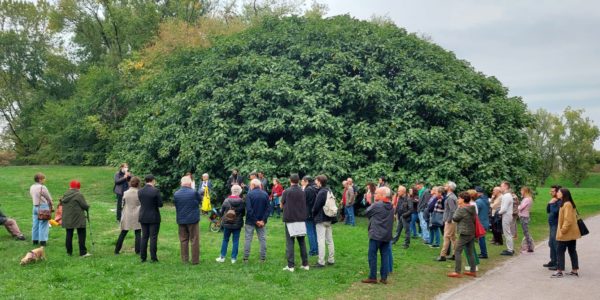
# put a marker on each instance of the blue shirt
(187, 203)
(257, 206)
(552, 209)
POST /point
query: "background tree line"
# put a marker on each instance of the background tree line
(173, 86)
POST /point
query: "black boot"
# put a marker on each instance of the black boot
(43, 243)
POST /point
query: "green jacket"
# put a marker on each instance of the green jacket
(74, 206)
(465, 219)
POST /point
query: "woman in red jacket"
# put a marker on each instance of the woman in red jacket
(276, 193)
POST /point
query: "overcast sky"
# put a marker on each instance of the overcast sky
(547, 52)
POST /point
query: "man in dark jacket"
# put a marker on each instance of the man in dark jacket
(323, 223)
(552, 209)
(121, 185)
(381, 225)
(150, 201)
(257, 213)
(404, 212)
(311, 231)
(187, 203)
(294, 215)
(235, 178)
(74, 207)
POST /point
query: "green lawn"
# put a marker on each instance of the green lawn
(105, 275)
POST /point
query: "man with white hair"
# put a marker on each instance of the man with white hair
(187, 202)
(381, 224)
(450, 206)
(257, 213)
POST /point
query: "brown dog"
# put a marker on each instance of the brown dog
(33, 256)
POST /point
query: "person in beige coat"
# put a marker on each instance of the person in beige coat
(130, 215)
(567, 234)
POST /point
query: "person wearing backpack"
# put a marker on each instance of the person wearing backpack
(323, 212)
(294, 215)
(232, 216)
(187, 202)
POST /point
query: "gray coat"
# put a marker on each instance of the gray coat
(381, 221)
(423, 200)
(131, 210)
(450, 207)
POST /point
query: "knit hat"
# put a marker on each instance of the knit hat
(75, 184)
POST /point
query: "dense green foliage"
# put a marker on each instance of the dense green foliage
(336, 96)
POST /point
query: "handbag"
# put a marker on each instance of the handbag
(583, 230)
(44, 214)
(437, 219)
(479, 230)
(206, 205)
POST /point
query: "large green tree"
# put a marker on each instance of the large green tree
(577, 147)
(545, 136)
(336, 96)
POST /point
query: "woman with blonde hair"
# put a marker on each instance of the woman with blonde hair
(524, 209)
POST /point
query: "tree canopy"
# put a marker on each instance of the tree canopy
(336, 96)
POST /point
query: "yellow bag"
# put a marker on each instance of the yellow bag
(206, 206)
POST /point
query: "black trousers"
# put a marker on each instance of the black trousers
(402, 224)
(122, 236)
(149, 231)
(289, 249)
(80, 239)
(119, 206)
(561, 248)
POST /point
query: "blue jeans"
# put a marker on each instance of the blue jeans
(434, 236)
(39, 230)
(424, 227)
(275, 207)
(349, 215)
(483, 246)
(390, 260)
(236, 240)
(413, 223)
(553, 245)
(311, 232)
(384, 250)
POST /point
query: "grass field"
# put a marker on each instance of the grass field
(104, 275)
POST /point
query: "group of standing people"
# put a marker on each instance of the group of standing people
(302, 204)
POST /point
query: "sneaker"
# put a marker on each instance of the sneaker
(220, 259)
(21, 238)
(553, 268)
(441, 258)
(573, 274)
(507, 253)
(549, 264)
(305, 267)
(86, 255)
(233, 261)
(557, 275)
(451, 257)
(483, 256)
(318, 266)
(288, 269)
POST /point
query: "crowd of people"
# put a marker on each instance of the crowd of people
(437, 215)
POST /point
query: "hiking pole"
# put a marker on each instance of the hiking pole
(87, 214)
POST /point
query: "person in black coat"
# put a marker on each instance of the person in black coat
(293, 200)
(121, 185)
(311, 231)
(150, 201)
(323, 223)
(234, 179)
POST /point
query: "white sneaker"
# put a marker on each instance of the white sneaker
(86, 255)
(220, 259)
(233, 261)
(288, 269)
(305, 268)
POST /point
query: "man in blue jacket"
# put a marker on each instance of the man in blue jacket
(483, 209)
(552, 209)
(257, 213)
(187, 203)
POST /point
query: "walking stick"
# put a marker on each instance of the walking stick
(87, 214)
